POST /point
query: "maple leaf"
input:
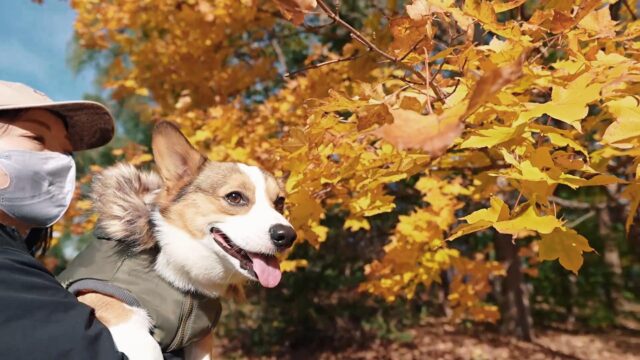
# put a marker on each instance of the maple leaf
(431, 133)
(295, 10)
(421, 9)
(570, 104)
(482, 219)
(499, 7)
(292, 265)
(632, 192)
(492, 136)
(627, 124)
(566, 245)
(528, 220)
(599, 22)
(488, 69)
(493, 81)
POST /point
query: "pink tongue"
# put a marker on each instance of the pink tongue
(267, 268)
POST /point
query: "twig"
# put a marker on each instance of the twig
(324, 63)
(631, 12)
(316, 28)
(337, 4)
(582, 218)
(413, 48)
(427, 74)
(518, 199)
(410, 84)
(356, 35)
(405, 80)
(281, 59)
(574, 204)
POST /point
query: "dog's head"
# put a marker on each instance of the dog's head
(227, 212)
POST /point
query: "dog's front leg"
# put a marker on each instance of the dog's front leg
(134, 339)
(201, 349)
(129, 326)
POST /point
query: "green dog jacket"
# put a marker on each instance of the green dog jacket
(179, 317)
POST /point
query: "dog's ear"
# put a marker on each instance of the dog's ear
(173, 154)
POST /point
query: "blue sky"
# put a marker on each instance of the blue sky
(34, 43)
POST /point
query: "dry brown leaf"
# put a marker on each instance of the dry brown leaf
(295, 10)
(431, 133)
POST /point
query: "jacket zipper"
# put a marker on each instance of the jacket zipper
(182, 329)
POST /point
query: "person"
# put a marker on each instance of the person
(39, 319)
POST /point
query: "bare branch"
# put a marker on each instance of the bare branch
(281, 59)
(574, 204)
(427, 75)
(413, 48)
(582, 218)
(324, 63)
(630, 10)
(356, 35)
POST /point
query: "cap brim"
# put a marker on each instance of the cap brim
(89, 124)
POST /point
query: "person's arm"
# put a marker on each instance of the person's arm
(41, 320)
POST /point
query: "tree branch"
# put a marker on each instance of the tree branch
(574, 204)
(324, 63)
(630, 10)
(356, 35)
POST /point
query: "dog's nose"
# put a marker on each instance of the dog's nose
(282, 236)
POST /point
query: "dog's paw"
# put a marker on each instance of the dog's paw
(132, 338)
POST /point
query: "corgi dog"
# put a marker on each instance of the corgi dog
(203, 228)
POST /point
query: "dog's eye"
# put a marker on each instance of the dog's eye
(279, 204)
(235, 198)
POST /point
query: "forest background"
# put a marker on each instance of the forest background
(468, 165)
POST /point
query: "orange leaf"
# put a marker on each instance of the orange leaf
(431, 133)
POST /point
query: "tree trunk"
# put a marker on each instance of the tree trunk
(514, 295)
(612, 260)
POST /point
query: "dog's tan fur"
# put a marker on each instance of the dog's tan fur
(188, 192)
(110, 311)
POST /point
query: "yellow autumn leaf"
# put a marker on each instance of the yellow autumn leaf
(491, 137)
(293, 265)
(356, 224)
(632, 193)
(497, 212)
(566, 245)
(141, 159)
(482, 219)
(570, 104)
(420, 9)
(528, 220)
(560, 140)
(83, 205)
(627, 124)
(599, 22)
(499, 6)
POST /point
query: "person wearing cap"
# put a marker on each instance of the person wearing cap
(39, 319)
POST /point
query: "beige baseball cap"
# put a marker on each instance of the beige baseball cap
(89, 123)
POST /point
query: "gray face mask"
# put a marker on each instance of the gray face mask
(40, 186)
